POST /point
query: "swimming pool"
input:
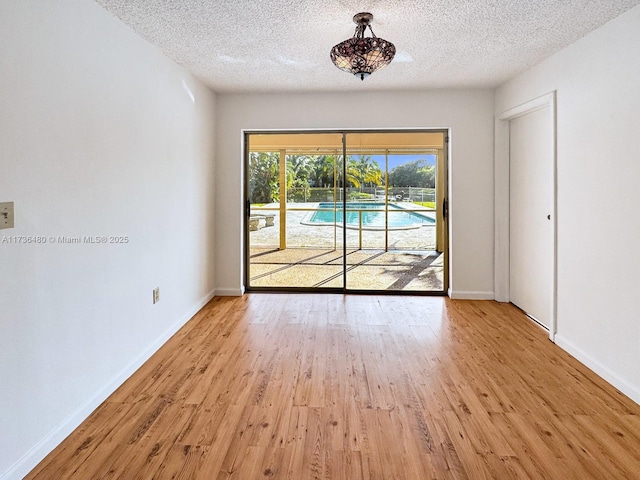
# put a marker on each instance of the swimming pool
(373, 216)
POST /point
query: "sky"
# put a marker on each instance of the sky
(395, 160)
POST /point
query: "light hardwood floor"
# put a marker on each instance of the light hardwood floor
(271, 386)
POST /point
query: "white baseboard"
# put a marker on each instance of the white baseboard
(41, 449)
(631, 391)
(228, 292)
(462, 295)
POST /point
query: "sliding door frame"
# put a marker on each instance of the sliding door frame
(442, 181)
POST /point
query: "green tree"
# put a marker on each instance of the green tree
(299, 168)
(413, 174)
(321, 170)
(264, 174)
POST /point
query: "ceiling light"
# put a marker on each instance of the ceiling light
(362, 55)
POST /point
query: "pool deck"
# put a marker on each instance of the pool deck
(313, 256)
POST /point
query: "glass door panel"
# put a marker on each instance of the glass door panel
(396, 240)
(294, 239)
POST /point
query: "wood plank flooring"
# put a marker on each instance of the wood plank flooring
(271, 386)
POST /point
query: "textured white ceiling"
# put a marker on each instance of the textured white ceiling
(283, 45)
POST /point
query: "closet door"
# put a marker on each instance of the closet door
(531, 200)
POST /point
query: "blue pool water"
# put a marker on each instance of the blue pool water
(373, 217)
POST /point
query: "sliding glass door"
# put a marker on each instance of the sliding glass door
(336, 211)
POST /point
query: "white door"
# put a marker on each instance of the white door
(531, 200)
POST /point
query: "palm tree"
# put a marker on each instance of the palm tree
(324, 169)
(366, 171)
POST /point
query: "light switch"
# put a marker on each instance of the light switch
(6, 215)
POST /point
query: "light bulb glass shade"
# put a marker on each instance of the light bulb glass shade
(363, 55)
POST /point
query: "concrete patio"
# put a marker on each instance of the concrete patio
(313, 257)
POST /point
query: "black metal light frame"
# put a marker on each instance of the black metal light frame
(360, 55)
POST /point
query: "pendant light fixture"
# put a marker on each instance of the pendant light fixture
(360, 55)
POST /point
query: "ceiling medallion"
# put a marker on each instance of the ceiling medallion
(360, 55)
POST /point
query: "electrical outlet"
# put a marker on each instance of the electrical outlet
(156, 295)
(6, 215)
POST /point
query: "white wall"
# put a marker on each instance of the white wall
(100, 134)
(598, 152)
(469, 114)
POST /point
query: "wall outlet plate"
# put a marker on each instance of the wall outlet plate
(6, 215)
(156, 295)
